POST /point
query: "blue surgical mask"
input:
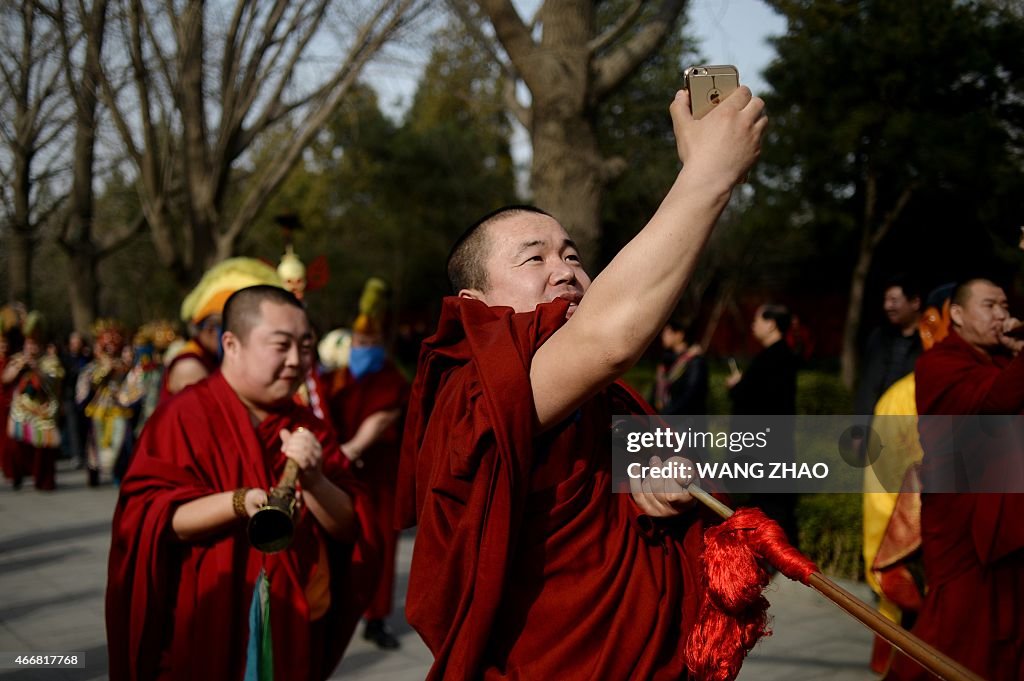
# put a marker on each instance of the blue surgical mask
(362, 361)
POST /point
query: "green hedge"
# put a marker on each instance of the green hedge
(830, 532)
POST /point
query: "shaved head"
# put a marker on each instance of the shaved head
(242, 310)
(962, 293)
(467, 260)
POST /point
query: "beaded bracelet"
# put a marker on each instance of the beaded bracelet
(238, 502)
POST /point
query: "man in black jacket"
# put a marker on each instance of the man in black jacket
(768, 387)
(893, 349)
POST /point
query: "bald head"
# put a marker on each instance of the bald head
(468, 257)
(242, 310)
(963, 292)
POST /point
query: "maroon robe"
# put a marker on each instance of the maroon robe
(526, 565)
(350, 403)
(178, 610)
(972, 543)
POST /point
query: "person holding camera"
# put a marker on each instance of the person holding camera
(526, 564)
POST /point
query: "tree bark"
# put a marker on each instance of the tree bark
(569, 73)
(849, 358)
(78, 239)
(565, 176)
(83, 290)
(19, 266)
(30, 85)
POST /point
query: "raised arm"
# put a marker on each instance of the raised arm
(627, 305)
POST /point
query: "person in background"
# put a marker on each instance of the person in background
(98, 393)
(366, 400)
(33, 426)
(768, 388)
(73, 434)
(681, 379)
(892, 349)
(972, 543)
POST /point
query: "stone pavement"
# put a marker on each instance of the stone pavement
(53, 551)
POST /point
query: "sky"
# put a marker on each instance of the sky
(736, 32)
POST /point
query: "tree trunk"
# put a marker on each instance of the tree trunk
(565, 173)
(871, 237)
(83, 290)
(79, 237)
(566, 177)
(569, 73)
(19, 266)
(851, 328)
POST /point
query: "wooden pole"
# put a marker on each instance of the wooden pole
(928, 657)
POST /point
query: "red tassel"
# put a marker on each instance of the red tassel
(733, 615)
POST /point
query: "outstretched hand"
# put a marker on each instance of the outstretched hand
(725, 143)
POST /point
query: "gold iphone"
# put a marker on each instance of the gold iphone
(709, 85)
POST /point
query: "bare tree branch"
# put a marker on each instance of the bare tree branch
(34, 121)
(514, 36)
(366, 44)
(117, 238)
(512, 103)
(174, 126)
(617, 29)
(472, 26)
(274, 110)
(893, 214)
(252, 71)
(613, 68)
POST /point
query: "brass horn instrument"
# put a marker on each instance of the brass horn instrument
(271, 528)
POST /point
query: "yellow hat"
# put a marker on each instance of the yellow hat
(223, 279)
(34, 328)
(371, 307)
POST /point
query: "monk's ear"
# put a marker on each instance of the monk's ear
(229, 341)
(956, 314)
(473, 294)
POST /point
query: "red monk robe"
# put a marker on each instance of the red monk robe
(351, 401)
(973, 544)
(185, 606)
(526, 565)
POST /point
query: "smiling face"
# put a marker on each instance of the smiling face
(901, 311)
(267, 364)
(530, 260)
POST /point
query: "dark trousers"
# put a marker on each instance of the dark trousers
(39, 461)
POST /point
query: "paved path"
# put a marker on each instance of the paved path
(53, 551)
